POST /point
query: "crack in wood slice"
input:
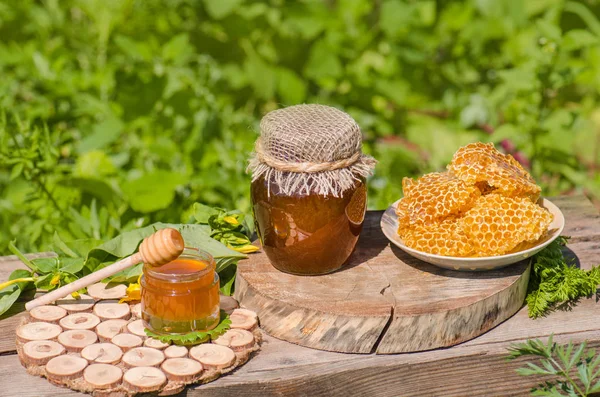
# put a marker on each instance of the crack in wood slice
(106, 330)
(236, 339)
(47, 313)
(213, 356)
(143, 357)
(144, 379)
(102, 353)
(103, 291)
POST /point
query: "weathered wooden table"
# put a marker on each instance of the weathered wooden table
(474, 368)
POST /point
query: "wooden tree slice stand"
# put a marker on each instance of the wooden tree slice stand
(382, 301)
(119, 387)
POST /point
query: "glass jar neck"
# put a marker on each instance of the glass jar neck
(190, 254)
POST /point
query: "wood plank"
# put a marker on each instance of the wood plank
(458, 371)
(582, 219)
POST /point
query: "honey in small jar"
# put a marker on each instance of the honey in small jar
(181, 296)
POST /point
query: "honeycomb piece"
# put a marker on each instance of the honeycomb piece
(479, 162)
(444, 238)
(436, 196)
(497, 224)
(402, 213)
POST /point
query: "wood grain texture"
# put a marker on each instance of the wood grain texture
(475, 368)
(381, 300)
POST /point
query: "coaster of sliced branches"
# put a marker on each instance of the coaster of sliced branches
(96, 345)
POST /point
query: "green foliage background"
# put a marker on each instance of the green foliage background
(119, 113)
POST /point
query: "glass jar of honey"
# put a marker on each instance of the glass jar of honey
(308, 233)
(181, 296)
(309, 191)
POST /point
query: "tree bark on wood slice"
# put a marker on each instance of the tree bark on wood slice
(76, 340)
(127, 341)
(213, 356)
(39, 352)
(243, 319)
(175, 351)
(379, 300)
(106, 330)
(137, 328)
(181, 369)
(102, 353)
(155, 344)
(72, 305)
(79, 321)
(104, 291)
(236, 339)
(38, 331)
(112, 310)
(47, 313)
(103, 376)
(143, 357)
(228, 304)
(66, 367)
(144, 379)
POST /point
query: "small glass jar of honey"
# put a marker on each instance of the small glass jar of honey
(181, 296)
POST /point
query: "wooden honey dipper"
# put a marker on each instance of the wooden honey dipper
(158, 249)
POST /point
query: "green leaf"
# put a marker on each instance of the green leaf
(153, 191)
(197, 337)
(8, 297)
(70, 265)
(176, 48)
(12, 248)
(59, 245)
(290, 87)
(202, 213)
(222, 8)
(102, 135)
(227, 279)
(46, 265)
(323, 62)
(578, 39)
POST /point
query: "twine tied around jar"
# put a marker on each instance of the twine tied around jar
(310, 149)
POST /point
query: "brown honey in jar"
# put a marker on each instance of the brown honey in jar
(308, 233)
(308, 189)
(181, 296)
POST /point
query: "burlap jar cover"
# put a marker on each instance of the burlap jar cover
(307, 149)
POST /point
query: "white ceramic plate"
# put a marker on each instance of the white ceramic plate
(389, 225)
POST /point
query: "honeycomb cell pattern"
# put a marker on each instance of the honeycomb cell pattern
(484, 205)
(480, 162)
(436, 196)
(498, 224)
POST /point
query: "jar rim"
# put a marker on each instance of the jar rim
(188, 253)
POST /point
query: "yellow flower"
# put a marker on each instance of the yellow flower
(134, 292)
(55, 280)
(247, 249)
(231, 220)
